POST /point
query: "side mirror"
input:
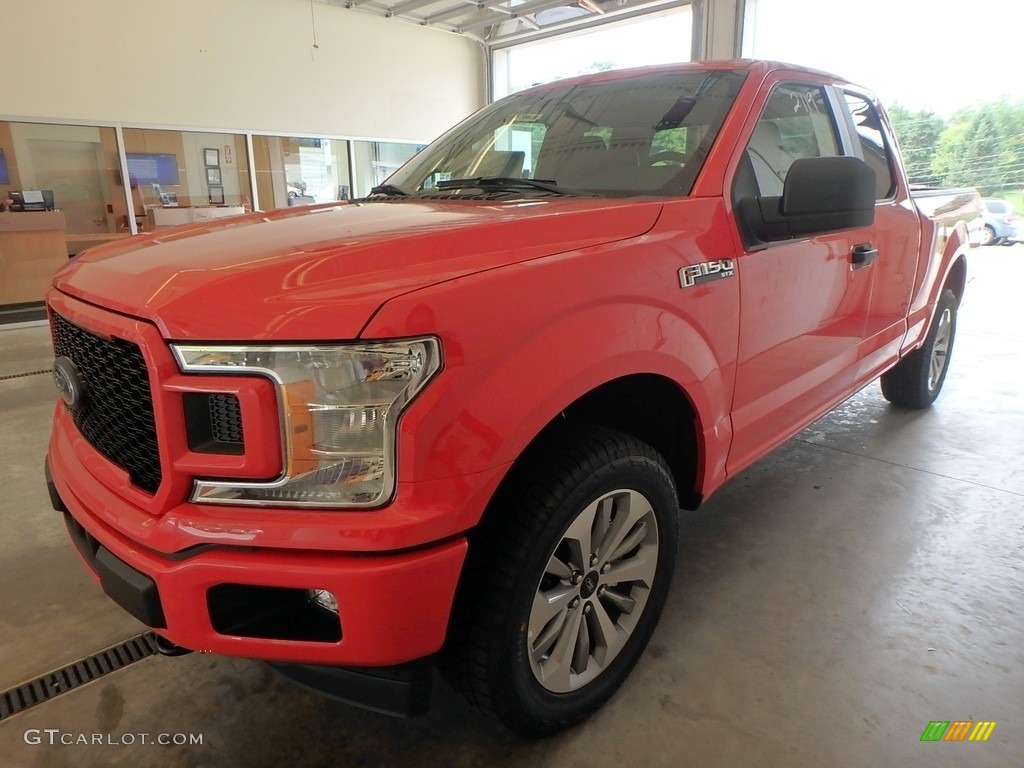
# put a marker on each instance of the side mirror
(820, 194)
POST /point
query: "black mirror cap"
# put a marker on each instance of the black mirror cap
(823, 194)
(820, 195)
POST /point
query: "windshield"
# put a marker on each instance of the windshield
(643, 135)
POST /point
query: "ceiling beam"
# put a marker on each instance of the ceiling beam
(489, 21)
(459, 10)
(523, 11)
(409, 5)
(509, 39)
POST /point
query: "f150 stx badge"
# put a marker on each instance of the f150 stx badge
(705, 272)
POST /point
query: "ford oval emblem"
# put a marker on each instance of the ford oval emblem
(69, 383)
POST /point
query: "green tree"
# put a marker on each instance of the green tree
(983, 147)
(918, 136)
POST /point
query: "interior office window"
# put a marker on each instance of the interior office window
(873, 145)
(185, 171)
(77, 164)
(292, 170)
(376, 160)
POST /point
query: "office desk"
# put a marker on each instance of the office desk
(32, 248)
(159, 218)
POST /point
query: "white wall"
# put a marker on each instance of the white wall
(235, 64)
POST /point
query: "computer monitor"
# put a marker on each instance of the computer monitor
(152, 168)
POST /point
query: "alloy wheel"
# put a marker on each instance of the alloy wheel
(593, 591)
(940, 349)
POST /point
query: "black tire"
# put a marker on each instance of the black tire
(917, 379)
(988, 235)
(523, 558)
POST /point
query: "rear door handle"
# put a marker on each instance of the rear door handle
(863, 255)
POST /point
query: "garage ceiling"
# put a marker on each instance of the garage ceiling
(500, 22)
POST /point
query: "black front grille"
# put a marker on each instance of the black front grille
(116, 413)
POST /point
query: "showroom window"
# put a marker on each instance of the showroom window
(75, 165)
(60, 184)
(176, 176)
(376, 160)
(294, 170)
(96, 184)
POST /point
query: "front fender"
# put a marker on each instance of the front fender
(520, 347)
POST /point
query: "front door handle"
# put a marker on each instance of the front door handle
(863, 255)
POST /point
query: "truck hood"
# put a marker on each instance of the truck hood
(321, 272)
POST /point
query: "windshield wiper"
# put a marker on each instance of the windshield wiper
(506, 183)
(389, 190)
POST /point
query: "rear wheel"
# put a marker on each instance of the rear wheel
(565, 581)
(988, 235)
(917, 379)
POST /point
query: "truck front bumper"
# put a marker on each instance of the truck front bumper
(393, 608)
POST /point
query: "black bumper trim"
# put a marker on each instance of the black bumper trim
(131, 589)
(401, 691)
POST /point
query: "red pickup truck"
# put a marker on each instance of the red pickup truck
(454, 422)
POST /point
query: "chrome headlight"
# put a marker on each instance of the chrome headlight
(339, 408)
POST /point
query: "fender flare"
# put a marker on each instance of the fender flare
(952, 272)
(462, 425)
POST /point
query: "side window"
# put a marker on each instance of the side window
(872, 143)
(797, 122)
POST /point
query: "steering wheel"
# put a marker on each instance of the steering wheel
(667, 156)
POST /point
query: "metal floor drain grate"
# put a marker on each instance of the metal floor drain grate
(74, 675)
(23, 375)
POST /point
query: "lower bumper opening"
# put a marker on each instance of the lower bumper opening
(270, 613)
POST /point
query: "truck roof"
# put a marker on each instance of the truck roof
(754, 66)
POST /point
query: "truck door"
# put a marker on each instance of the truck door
(895, 236)
(802, 302)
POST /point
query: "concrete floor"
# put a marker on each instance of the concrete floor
(865, 579)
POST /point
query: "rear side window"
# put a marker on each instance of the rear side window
(796, 123)
(873, 145)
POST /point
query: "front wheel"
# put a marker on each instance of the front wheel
(565, 581)
(916, 380)
(988, 235)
